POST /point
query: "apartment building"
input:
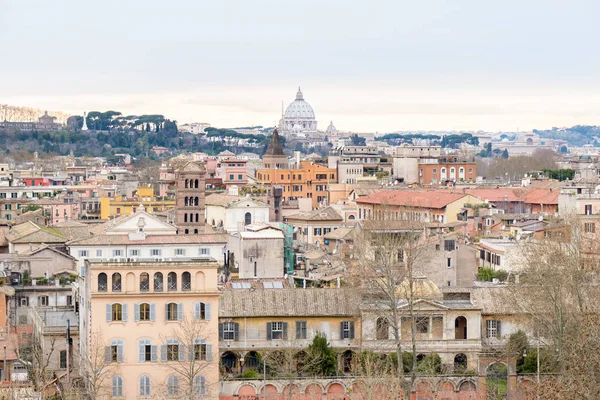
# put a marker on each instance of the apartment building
(154, 326)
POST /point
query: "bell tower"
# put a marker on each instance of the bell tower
(189, 198)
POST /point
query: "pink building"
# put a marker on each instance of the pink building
(234, 172)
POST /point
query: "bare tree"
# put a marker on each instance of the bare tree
(387, 254)
(35, 356)
(190, 357)
(97, 369)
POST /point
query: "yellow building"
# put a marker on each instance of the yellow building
(119, 206)
(151, 328)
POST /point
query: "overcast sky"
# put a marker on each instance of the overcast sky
(367, 65)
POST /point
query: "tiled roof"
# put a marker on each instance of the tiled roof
(152, 239)
(340, 233)
(288, 302)
(525, 195)
(412, 198)
(30, 232)
(321, 214)
(217, 199)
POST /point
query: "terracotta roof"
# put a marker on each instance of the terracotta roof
(412, 198)
(340, 233)
(217, 199)
(30, 232)
(152, 239)
(321, 214)
(289, 302)
(525, 195)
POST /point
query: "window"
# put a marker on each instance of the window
(146, 352)
(173, 386)
(230, 177)
(202, 351)
(155, 252)
(63, 359)
(180, 252)
(98, 253)
(383, 329)
(434, 171)
(117, 386)
(144, 282)
(276, 330)
(69, 300)
(199, 386)
(117, 253)
(144, 386)
(492, 329)
(144, 312)
(317, 231)
(588, 209)
(134, 253)
(204, 252)
(172, 281)
(449, 262)
(589, 227)
(42, 301)
(300, 329)
(115, 352)
(158, 282)
(201, 311)
(102, 282)
(116, 282)
(172, 351)
(116, 312)
(240, 177)
(347, 330)
(174, 311)
(24, 301)
(247, 218)
(449, 245)
(229, 331)
(422, 324)
(84, 253)
(186, 281)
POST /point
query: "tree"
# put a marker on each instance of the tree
(505, 153)
(386, 255)
(36, 358)
(321, 358)
(194, 358)
(358, 140)
(97, 370)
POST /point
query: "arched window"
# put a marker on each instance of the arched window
(247, 219)
(460, 362)
(102, 282)
(173, 386)
(187, 231)
(352, 217)
(116, 282)
(186, 281)
(195, 231)
(200, 385)
(197, 217)
(144, 312)
(201, 311)
(144, 282)
(158, 282)
(144, 386)
(117, 386)
(172, 281)
(186, 183)
(185, 217)
(185, 201)
(383, 328)
(195, 201)
(196, 184)
(460, 328)
(116, 311)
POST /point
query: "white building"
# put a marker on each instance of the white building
(233, 213)
(298, 118)
(142, 236)
(258, 252)
(196, 128)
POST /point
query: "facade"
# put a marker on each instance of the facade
(155, 324)
(112, 207)
(298, 118)
(352, 162)
(312, 227)
(233, 172)
(405, 162)
(438, 171)
(189, 198)
(310, 180)
(258, 252)
(233, 213)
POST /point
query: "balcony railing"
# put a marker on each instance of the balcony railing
(144, 286)
(116, 286)
(172, 286)
(102, 287)
(158, 287)
(186, 286)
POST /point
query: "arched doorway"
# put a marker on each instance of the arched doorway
(460, 328)
(496, 382)
(251, 360)
(460, 362)
(247, 218)
(229, 362)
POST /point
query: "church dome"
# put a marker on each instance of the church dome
(423, 288)
(299, 109)
(331, 128)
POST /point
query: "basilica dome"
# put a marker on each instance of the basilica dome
(299, 108)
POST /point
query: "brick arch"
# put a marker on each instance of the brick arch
(445, 386)
(336, 391)
(246, 390)
(314, 391)
(467, 386)
(423, 387)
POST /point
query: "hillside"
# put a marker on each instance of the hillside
(577, 135)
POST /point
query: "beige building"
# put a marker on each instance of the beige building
(258, 252)
(154, 324)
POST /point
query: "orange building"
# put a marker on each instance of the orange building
(310, 180)
(438, 171)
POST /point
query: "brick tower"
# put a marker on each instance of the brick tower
(189, 198)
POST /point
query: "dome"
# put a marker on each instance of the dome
(423, 288)
(299, 109)
(331, 128)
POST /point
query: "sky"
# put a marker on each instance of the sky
(368, 66)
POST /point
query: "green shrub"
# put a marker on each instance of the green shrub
(501, 275)
(250, 374)
(485, 274)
